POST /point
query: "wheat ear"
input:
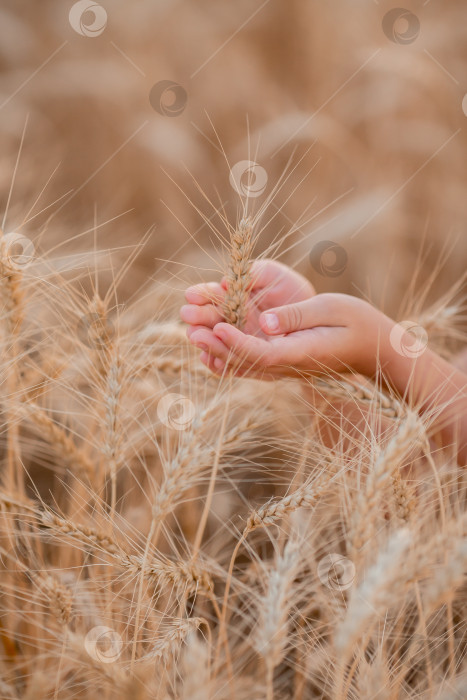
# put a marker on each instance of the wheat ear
(404, 499)
(173, 638)
(239, 273)
(272, 633)
(364, 393)
(12, 295)
(307, 495)
(57, 437)
(58, 596)
(409, 436)
(183, 576)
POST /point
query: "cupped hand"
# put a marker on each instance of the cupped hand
(312, 335)
(273, 284)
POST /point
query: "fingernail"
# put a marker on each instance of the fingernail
(271, 321)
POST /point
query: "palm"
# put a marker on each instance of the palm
(275, 285)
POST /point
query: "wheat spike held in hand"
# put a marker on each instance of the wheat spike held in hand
(239, 273)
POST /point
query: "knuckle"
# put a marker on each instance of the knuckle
(295, 316)
(268, 358)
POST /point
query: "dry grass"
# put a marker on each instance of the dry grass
(165, 533)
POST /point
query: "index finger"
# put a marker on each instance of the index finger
(243, 347)
(264, 273)
(274, 283)
(207, 293)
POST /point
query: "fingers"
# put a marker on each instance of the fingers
(221, 358)
(273, 283)
(231, 346)
(205, 340)
(243, 349)
(277, 284)
(192, 329)
(205, 315)
(222, 369)
(202, 309)
(208, 293)
(320, 310)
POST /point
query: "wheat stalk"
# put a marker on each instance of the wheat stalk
(307, 495)
(173, 638)
(12, 317)
(58, 438)
(387, 581)
(60, 597)
(362, 392)
(112, 428)
(192, 458)
(272, 632)
(409, 436)
(195, 669)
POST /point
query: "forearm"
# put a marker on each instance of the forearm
(437, 389)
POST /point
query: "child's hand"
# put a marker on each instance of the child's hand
(287, 336)
(273, 284)
(292, 331)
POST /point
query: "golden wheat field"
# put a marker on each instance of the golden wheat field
(167, 532)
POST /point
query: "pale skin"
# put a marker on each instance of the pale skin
(293, 331)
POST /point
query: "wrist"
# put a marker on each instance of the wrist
(405, 360)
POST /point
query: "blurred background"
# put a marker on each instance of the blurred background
(133, 116)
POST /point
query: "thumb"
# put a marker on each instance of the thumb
(316, 311)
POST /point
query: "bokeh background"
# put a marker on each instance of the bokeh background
(366, 109)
